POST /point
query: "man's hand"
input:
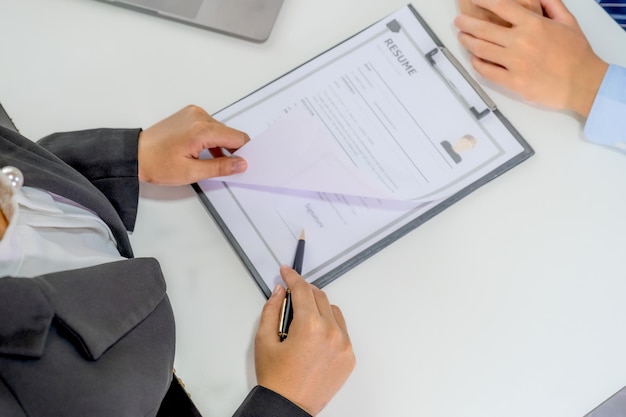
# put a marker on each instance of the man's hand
(169, 150)
(315, 360)
(545, 59)
(469, 8)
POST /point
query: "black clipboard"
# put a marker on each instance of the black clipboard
(441, 59)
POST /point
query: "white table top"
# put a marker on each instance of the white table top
(509, 303)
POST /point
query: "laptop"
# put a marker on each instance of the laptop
(615, 406)
(252, 20)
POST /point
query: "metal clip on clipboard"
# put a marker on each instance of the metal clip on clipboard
(460, 82)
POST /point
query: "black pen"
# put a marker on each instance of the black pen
(287, 311)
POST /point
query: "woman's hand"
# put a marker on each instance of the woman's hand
(169, 150)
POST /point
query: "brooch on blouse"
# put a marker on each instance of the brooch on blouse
(15, 177)
(11, 180)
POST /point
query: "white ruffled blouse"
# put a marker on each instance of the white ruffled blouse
(48, 233)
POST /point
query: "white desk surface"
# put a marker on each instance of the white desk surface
(510, 303)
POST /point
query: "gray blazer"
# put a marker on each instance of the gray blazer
(96, 341)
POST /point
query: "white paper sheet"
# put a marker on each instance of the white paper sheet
(297, 153)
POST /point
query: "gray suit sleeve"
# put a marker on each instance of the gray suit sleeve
(108, 159)
(262, 402)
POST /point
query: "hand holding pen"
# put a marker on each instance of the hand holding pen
(287, 311)
(310, 366)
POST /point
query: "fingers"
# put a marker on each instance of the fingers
(291, 277)
(315, 360)
(556, 10)
(301, 291)
(341, 321)
(323, 305)
(491, 71)
(213, 134)
(532, 5)
(169, 151)
(508, 10)
(270, 316)
(486, 42)
(489, 43)
(308, 300)
(217, 167)
(480, 30)
(204, 132)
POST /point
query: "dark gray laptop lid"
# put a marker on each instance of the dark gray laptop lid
(247, 19)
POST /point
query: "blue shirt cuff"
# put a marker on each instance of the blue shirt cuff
(606, 124)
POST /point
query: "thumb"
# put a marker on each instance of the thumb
(219, 167)
(270, 316)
